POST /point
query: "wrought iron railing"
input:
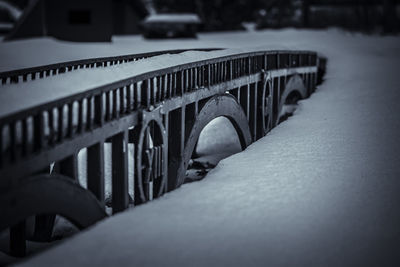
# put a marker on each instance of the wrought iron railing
(161, 113)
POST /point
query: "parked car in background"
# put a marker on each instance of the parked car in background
(9, 15)
(171, 25)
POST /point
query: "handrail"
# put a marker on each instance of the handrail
(19, 75)
(136, 78)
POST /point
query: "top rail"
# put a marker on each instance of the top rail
(241, 64)
(32, 130)
(38, 72)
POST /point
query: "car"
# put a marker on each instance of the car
(170, 25)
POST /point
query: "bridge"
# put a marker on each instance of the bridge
(161, 113)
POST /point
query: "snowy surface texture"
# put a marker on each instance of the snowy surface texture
(321, 189)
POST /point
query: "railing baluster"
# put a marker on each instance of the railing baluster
(116, 104)
(137, 94)
(170, 85)
(61, 119)
(108, 105)
(130, 97)
(13, 141)
(95, 170)
(38, 131)
(153, 90)
(146, 94)
(120, 195)
(18, 240)
(89, 113)
(52, 126)
(99, 109)
(69, 167)
(123, 100)
(25, 137)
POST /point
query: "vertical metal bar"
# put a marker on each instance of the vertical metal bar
(169, 85)
(44, 225)
(162, 87)
(186, 81)
(145, 93)
(80, 116)
(208, 69)
(182, 82)
(89, 107)
(25, 146)
(70, 126)
(195, 78)
(95, 170)
(123, 100)
(153, 90)
(201, 76)
(98, 109)
(120, 196)
(260, 106)
(129, 98)
(248, 101)
(69, 167)
(18, 240)
(138, 94)
(252, 109)
(38, 131)
(176, 128)
(108, 105)
(174, 84)
(13, 141)
(116, 104)
(1, 145)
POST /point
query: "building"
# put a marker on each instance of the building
(78, 20)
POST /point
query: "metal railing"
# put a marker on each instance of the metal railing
(161, 113)
(40, 72)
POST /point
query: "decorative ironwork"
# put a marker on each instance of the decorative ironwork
(160, 113)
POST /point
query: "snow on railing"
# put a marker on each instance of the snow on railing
(160, 112)
(34, 73)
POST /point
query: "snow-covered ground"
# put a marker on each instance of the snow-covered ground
(321, 189)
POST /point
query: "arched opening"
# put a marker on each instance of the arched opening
(61, 229)
(289, 106)
(217, 140)
(217, 106)
(40, 199)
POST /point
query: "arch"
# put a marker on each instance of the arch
(221, 105)
(294, 87)
(50, 194)
(159, 139)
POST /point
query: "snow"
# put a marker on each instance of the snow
(174, 18)
(41, 51)
(321, 189)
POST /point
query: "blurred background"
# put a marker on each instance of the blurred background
(93, 20)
